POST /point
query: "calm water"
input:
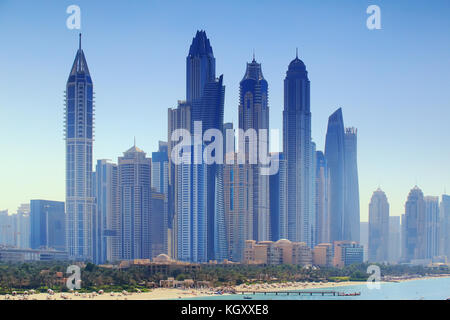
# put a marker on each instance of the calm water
(427, 289)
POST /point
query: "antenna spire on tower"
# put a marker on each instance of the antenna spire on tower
(296, 53)
(80, 42)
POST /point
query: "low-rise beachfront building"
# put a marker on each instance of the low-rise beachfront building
(282, 251)
(347, 253)
(323, 255)
(27, 255)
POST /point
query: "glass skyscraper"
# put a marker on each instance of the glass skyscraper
(297, 148)
(379, 227)
(415, 231)
(106, 217)
(192, 218)
(79, 136)
(206, 94)
(254, 114)
(135, 204)
(47, 225)
(351, 193)
(334, 153)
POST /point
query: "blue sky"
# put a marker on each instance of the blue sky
(393, 84)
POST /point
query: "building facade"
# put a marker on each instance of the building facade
(335, 155)
(47, 225)
(322, 209)
(297, 152)
(432, 226)
(134, 178)
(379, 227)
(415, 231)
(254, 115)
(106, 244)
(351, 192)
(79, 137)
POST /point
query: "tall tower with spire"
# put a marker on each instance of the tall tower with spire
(298, 152)
(254, 114)
(79, 137)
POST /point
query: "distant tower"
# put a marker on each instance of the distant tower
(135, 204)
(415, 237)
(322, 184)
(351, 194)
(379, 227)
(335, 155)
(254, 114)
(106, 217)
(445, 226)
(432, 226)
(298, 152)
(160, 183)
(79, 136)
(47, 225)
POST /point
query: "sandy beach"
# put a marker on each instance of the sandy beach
(175, 293)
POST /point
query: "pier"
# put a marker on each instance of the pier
(300, 293)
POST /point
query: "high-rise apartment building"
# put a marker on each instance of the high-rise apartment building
(335, 155)
(106, 243)
(79, 136)
(254, 115)
(322, 204)
(432, 226)
(415, 229)
(298, 152)
(134, 180)
(351, 192)
(379, 227)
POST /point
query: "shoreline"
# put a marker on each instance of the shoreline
(176, 293)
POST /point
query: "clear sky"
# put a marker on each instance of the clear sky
(393, 84)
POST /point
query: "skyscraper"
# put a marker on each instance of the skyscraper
(278, 201)
(238, 207)
(22, 226)
(394, 239)
(351, 193)
(297, 151)
(6, 228)
(47, 222)
(158, 224)
(178, 118)
(415, 231)
(191, 209)
(335, 155)
(206, 94)
(379, 227)
(432, 226)
(254, 114)
(322, 184)
(79, 136)
(160, 184)
(134, 204)
(106, 217)
(445, 226)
